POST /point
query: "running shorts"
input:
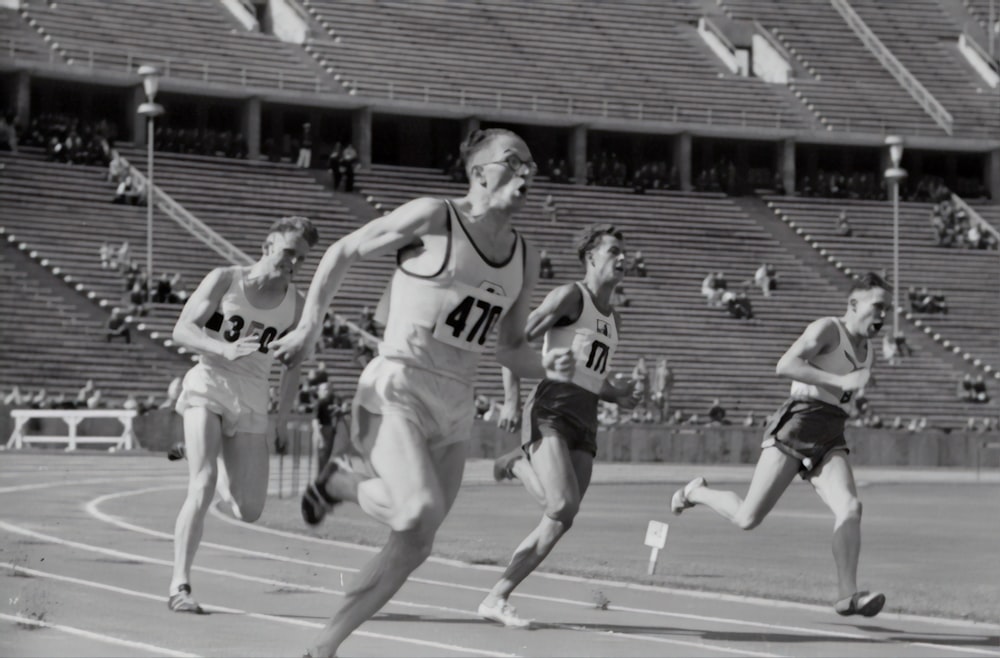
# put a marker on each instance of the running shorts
(241, 405)
(807, 430)
(563, 410)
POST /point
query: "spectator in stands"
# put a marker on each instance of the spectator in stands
(765, 278)
(663, 383)
(136, 298)
(107, 256)
(333, 164)
(964, 391)
(40, 400)
(640, 375)
(96, 400)
(130, 190)
(550, 208)
(917, 424)
(8, 132)
(329, 411)
(15, 398)
(717, 413)
(843, 224)
(738, 305)
(122, 257)
(749, 420)
(130, 403)
(979, 390)
(117, 169)
(349, 161)
(118, 326)
(163, 291)
(713, 287)
(639, 265)
(545, 265)
(177, 293)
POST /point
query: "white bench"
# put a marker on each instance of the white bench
(72, 418)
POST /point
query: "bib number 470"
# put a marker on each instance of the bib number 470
(485, 318)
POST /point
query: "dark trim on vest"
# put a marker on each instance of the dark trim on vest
(447, 252)
(486, 260)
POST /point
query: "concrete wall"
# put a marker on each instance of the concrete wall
(158, 430)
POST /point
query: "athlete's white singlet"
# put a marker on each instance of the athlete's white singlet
(593, 338)
(446, 299)
(838, 361)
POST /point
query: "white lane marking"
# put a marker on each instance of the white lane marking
(254, 615)
(71, 483)
(100, 637)
(91, 507)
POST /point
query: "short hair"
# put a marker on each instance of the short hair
(869, 281)
(588, 238)
(478, 140)
(296, 224)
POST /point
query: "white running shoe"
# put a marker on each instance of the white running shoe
(680, 501)
(503, 613)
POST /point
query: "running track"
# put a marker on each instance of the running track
(85, 551)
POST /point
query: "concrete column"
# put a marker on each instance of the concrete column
(578, 154)
(682, 159)
(991, 175)
(22, 97)
(469, 126)
(361, 131)
(250, 126)
(138, 122)
(786, 164)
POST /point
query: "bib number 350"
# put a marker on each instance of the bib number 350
(480, 313)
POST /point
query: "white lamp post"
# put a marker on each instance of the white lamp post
(894, 175)
(150, 84)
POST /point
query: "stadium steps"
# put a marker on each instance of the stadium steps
(54, 338)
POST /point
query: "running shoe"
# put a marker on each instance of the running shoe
(177, 451)
(182, 601)
(866, 604)
(316, 502)
(502, 465)
(503, 613)
(680, 501)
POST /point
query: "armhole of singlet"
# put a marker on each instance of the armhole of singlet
(566, 320)
(452, 216)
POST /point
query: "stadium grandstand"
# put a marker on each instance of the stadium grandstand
(720, 135)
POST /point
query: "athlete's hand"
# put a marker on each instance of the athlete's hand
(856, 380)
(242, 347)
(509, 418)
(559, 364)
(294, 347)
(628, 395)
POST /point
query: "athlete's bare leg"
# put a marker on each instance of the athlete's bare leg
(834, 482)
(774, 472)
(243, 471)
(203, 444)
(564, 476)
(413, 494)
(523, 471)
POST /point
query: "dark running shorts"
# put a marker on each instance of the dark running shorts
(561, 410)
(807, 430)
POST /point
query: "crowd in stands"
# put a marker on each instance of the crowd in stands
(715, 288)
(223, 144)
(925, 301)
(343, 165)
(951, 226)
(87, 397)
(69, 139)
(973, 389)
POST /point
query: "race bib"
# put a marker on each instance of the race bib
(469, 315)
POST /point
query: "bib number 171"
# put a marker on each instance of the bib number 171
(486, 315)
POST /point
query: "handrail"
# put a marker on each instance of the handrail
(186, 220)
(233, 254)
(973, 43)
(974, 217)
(906, 79)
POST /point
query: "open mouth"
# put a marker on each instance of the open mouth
(523, 189)
(877, 327)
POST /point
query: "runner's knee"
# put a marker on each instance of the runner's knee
(850, 510)
(562, 510)
(422, 513)
(248, 509)
(748, 520)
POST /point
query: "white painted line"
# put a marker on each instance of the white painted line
(254, 615)
(91, 507)
(70, 483)
(100, 637)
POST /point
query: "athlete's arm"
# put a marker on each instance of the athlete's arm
(510, 413)
(393, 231)
(289, 387)
(611, 391)
(819, 338)
(513, 350)
(200, 307)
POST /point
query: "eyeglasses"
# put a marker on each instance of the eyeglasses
(516, 164)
